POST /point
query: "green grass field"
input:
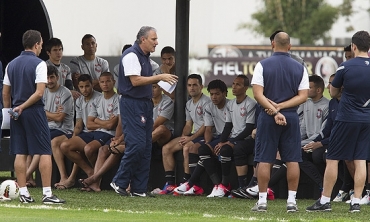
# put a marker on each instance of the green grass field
(109, 206)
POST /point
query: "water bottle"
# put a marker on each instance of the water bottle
(14, 114)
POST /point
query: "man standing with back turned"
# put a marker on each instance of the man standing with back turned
(349, 138)
(136, 108)
(280, 84)
(24, 84)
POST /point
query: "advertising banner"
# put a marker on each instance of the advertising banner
(225, 62)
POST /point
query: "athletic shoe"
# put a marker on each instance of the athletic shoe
(366, 198)
(270, 194)
(119, 190)
(341, 196)
(253, 191)
(167, 189)
(260, 207)
(291, 207)
(318, 207)
(2, 199)
(353, 208)
(241, 193)
(134, 194)
(350, 195)
(213, 191)
(182, 188)
(24, 199)
(52, 200)
(220, 191)
(194, 190)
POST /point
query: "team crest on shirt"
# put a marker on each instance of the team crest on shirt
(57, 100)
(98, 68)
(143, 120)
(63, 73)
(200, 110)
(319, 113)
(243, 111)
(110, 108)
(367, 63)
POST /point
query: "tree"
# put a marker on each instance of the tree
(307, 20)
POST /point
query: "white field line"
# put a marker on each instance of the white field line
(48, 207)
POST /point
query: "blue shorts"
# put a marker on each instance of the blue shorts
(212, 143)
(272, 137)
(215, 141)
(100, 136)
(349, 141)
(30, 134)
(198, 140)
(55, 133)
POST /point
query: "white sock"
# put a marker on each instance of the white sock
(291, 196)
(355, 201)
(24, 191)
(324, 200)
(47, 191)
(262, 197)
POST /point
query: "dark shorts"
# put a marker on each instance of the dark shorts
(246, 145)
(102, 137)
(55, 133)
(215, 141)
(349, 141)
(30, 134)
(272, 138)
(198, 140)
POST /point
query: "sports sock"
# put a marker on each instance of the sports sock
(262, 197)
(253, 182)
(355, 201)
(170, 177)
(242, 180)
(291, 196)
(186, 177)
(226, 153)
(324, 200)
(47, 191)
(24, 191)
(193, 160)
(367, 186)
(195, 176)
(278, 175)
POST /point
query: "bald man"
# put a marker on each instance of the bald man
(280, 85)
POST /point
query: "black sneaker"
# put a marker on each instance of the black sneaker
(52, 200)
(24, 199)
(119, 190)
(353, 208)
(245, 193)
(317, 206)
(134, 194)
(241, 193)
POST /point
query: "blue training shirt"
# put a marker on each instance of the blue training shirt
(125, 87)
(354, 76)
(282, 76)
(22, 75)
